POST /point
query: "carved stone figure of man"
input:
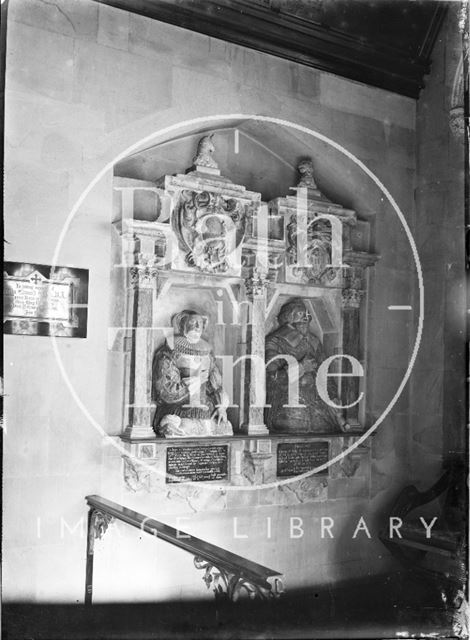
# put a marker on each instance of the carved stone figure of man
(187, 385)
(293, 338)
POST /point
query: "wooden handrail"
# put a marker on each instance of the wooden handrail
(227, 572)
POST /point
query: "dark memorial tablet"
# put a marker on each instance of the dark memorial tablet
(197, 464)
(294, 458)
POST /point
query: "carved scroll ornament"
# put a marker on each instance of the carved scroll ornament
(227, 585)
(99, 522)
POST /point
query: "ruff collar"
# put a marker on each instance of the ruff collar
(182, 345)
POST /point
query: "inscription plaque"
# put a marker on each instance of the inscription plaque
(294, 458)
(197, 464)
(41, 300)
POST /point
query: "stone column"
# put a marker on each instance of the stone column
(142, 282)
(351, 302)
(257, 290)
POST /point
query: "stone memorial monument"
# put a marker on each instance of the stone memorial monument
(223, 322)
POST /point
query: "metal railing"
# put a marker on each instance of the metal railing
(227, 573)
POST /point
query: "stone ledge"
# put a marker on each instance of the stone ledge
(241, 436)
(254, 471)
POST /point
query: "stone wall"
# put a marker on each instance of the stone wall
(438, 384)
(84, 82)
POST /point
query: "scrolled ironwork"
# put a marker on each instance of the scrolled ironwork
(99, 522)
(228, 585)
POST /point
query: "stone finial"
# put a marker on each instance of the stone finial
(305, 168)
(205, 149)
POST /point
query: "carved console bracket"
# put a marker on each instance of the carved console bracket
(351, 463)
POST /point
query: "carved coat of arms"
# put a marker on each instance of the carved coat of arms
(314, 267)
(210, 229)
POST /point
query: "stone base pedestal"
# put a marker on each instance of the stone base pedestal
(257, 430)
(212, 171)
(138, 432)
(244, 471)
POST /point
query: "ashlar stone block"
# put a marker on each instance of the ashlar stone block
(77, 19)
(113, 27)
(48, 71)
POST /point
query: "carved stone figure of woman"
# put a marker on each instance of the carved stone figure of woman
(187, 385)
(293, 338)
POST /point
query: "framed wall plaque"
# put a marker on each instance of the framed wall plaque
(294, 458)
(197, 464)
(40, 300)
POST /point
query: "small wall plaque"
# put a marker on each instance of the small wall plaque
(40, 300)
(197, 464)
(294, 458)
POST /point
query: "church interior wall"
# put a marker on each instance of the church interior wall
(440, 236)
(84, 82)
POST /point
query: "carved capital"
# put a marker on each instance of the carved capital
(142, 276)
(98, 524)
(351, 298)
